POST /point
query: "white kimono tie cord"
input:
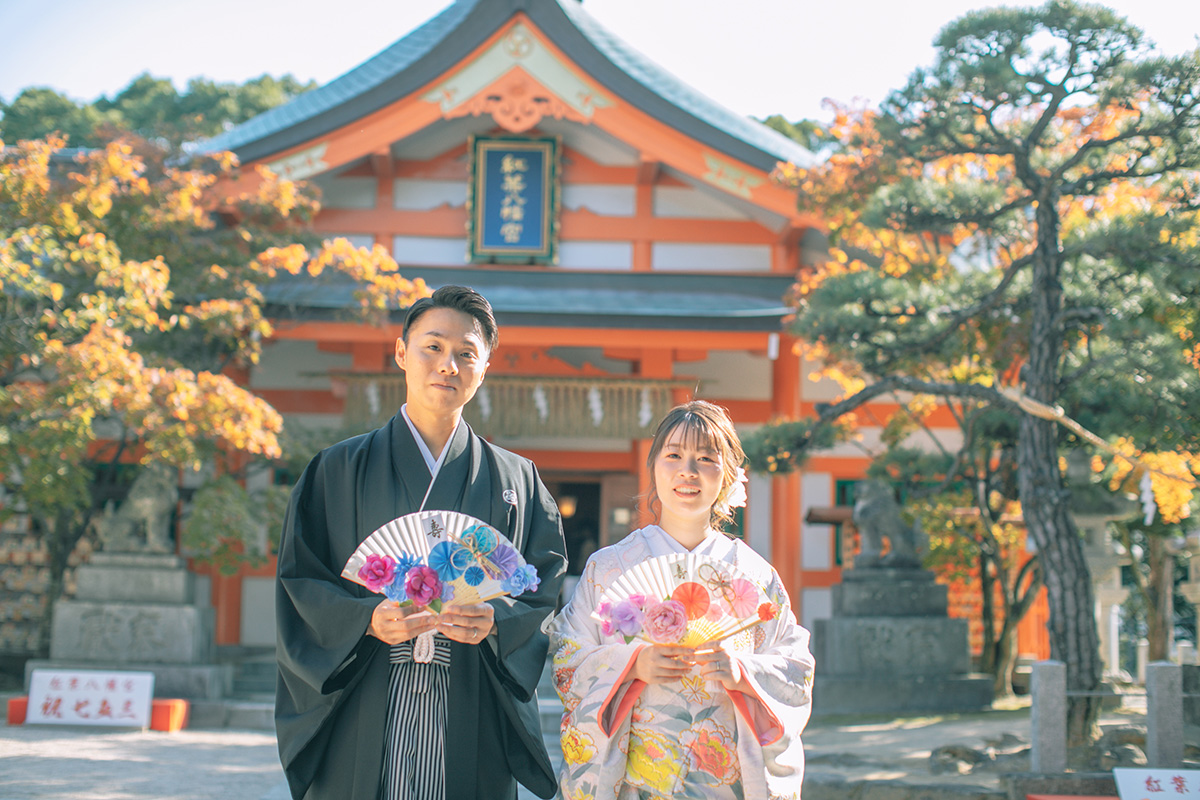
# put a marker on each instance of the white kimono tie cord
(423, 648)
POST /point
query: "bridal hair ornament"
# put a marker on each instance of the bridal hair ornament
(737, 490)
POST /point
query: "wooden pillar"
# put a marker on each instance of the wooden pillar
(643, 246)
(641, 451)
(785, 506)
(384, 168)
(227, 602)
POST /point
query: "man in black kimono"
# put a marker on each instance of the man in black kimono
(357, 717)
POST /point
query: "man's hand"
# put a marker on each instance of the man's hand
(469, 624)
(393, 624)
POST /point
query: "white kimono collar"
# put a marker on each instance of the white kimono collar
(661, 543)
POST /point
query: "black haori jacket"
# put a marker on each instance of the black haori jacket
(331, 699)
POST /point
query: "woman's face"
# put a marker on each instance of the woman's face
(687, 479)
(444, 361)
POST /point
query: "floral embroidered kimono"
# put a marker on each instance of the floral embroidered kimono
(623, 739)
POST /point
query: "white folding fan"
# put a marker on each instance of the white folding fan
(463, 560)
(683, 598)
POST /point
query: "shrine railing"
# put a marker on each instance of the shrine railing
(510, 406)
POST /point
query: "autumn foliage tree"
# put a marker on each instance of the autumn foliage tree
(1156, 536)
(1017, 227)
(127, 293)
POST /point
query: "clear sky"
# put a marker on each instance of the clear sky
(758, 57)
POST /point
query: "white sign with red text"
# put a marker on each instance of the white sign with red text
(90, 697)
(1134, 783)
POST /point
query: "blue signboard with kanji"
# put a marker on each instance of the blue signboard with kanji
(514, 199)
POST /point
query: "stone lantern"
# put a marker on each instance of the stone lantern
(1191, 588)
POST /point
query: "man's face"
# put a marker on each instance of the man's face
(444, 361)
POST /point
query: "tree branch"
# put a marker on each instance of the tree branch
(985, 303)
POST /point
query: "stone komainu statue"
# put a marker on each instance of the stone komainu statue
(142, 521)
(877, 517)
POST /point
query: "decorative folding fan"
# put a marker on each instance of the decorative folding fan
(437, 558)
(683, 598)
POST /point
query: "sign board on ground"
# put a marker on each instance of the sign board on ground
(1135, 783)
(90, 697)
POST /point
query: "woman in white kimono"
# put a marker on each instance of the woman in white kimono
(660, 721)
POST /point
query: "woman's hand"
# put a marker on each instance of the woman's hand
(718, 664)
(662, 663)
(393, 624)
(469, 624)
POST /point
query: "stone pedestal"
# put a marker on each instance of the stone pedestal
(138, 611)
(891, 647)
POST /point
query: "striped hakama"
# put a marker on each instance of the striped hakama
(414, 762)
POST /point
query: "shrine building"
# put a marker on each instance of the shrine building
(645, 264)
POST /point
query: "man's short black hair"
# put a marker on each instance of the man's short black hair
(459, 298)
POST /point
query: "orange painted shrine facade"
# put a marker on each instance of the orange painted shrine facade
(671, 251)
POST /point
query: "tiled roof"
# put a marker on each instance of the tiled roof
(370, 77)
(540, 298)
(444, 40)
(670, 88)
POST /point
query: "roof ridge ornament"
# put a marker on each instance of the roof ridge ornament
(518, 81)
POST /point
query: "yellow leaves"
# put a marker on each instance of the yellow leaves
(1193, 356)
(380, 284)
(972, 370)
(845, 376)
(173, 410)
(1172, 478)
(281, 194)
(181, 197)
(289, 259)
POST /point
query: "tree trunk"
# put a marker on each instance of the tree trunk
(60, 533)
(1160, 605)
(987, 615)
(1006, 659)
(1044, 499)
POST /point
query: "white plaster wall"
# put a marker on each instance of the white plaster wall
(591, 141)
(258, 611)
(314, 421)
(732, 376)
(686, 202)
(604, 199)
(412, 194)
(822, 389)
(595, 255)
(562, 443)
(758, 514)
(290, 364)
(815, 604)
(816, 550)
(430, 251)
(347, 192)
(357, 239)
(678, 257)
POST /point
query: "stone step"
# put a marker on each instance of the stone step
(228, 713)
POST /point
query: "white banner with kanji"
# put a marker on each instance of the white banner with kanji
(1135, 783)
(90, 697)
